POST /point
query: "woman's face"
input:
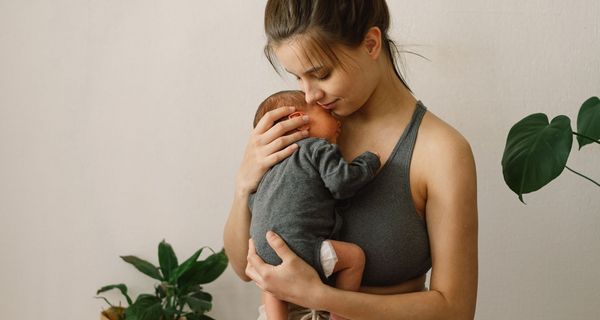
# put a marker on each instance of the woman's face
(343, 90)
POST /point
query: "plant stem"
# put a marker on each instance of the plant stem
(579, 174)
(584, 136)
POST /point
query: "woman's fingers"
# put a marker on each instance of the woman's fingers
(266, 122)
(283, 127)
(253, 259)
(280, 247)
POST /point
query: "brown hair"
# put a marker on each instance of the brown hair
(280, 99)
(327, 23)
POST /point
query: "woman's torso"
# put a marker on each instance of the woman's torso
(393, 235)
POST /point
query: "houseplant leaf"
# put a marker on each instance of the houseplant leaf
(166, 259)
(536, 152)
(185, 266)
(143, 266)
(588, 121)
(204, 271)
(143, 303)
(198, 305)
(122, 287)
(202, 295)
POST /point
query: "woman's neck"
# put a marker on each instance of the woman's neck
(390, 99)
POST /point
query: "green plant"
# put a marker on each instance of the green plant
(536, 150)
(178, 294)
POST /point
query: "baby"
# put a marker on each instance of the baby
(296, 199)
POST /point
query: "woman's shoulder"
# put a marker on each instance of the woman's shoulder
(440, 151)
(437, 137)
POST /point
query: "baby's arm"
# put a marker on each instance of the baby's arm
(341, 178)
(276, 309)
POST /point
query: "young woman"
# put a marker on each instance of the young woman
(419, 212)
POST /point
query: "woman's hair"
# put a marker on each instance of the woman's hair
(328, 22)
(288, 98)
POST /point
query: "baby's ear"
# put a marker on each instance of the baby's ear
(296, 115)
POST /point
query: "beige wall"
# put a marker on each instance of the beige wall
(123, 123)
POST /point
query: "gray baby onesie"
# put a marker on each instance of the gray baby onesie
(296, 198)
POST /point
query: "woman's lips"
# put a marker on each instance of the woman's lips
(329, 105)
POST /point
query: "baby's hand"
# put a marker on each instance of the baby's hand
(377, 154)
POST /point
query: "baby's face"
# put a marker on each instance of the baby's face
(322, 124)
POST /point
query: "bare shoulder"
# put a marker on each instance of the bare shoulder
(438, 137)
(441, 153)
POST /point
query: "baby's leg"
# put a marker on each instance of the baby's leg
(349, 268)
(276, 309)
(350, 265)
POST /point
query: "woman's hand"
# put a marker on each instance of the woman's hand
(293, 280)
(267, 146)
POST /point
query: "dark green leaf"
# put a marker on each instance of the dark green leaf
(143, 266)
(185, 266)
(122, 287)
(192, 289)
(588, 121)
(153, 312)
(198, 305)
(167, 259)
(139, 309)
(204, 271)
(536, 152)
(202, 295)
(169, 312)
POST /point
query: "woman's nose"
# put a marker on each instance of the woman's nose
(312, 93)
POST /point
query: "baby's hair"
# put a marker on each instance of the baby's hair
(287, 98)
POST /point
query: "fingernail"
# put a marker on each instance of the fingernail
(270, 235)
(305, 133)
(305, 118)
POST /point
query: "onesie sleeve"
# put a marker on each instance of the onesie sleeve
(341, 178)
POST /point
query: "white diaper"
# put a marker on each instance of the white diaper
(328, 258)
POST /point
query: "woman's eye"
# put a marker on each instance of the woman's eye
(323, 76)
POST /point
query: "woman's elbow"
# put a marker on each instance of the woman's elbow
(457, 308)
(239, 267)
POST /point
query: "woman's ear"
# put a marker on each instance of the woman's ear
(299, 114)
(372, 42)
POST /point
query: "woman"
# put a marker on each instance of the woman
(421, 209)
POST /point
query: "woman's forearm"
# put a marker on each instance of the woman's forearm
(237, 233)
(425, 305)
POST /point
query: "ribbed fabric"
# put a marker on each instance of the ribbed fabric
(382, 220)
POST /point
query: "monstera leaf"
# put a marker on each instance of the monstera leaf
(588, 121)
(536, 152)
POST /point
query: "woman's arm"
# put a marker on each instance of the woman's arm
(267, 146)
(451, 214)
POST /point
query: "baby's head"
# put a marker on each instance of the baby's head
(321, 123)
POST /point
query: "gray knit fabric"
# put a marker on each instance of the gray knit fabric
(296, 198)
(383, 221)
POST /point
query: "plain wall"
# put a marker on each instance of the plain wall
(123, 123)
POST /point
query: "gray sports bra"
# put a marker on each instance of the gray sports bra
(383, 221)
